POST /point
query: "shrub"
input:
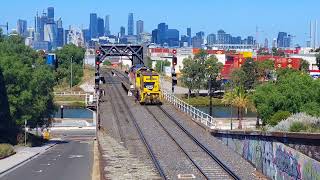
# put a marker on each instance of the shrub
(293, 123)
(297, 127)
(6, 150)
(278, 116)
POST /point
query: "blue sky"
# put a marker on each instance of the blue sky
(238, 17)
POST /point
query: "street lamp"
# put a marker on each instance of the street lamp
(189, 91)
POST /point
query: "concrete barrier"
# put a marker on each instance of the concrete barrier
(278, 155)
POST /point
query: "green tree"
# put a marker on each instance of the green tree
(293, 92)
(191, 74)
(250, 69)
(149, 62)
(237, 78)
(29, 82)
(161, 64)
(304, 65)
(64, 56)
(264, 68)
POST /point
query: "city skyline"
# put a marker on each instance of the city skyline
(246, 17)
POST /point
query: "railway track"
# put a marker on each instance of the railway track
(141, 135)
(213, 170)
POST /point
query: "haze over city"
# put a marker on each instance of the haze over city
(235, 17)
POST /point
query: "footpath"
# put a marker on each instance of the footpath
(23, 154)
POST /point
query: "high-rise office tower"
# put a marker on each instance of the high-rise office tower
(211, 39)
(122, 31)
(22, 28)
(266, 43)
(59, 23)
(93, 25)
(283, 40)
(189, 36)
(139, 27)
(107, 25)
(130, 24)
(50, 34)
(50, 14)
(100, 27)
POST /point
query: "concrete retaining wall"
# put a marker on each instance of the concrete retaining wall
(271, 154)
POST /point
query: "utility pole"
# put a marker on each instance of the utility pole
(71, 75)
(25, 132)
(210, 94)
(174, 75)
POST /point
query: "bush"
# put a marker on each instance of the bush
(6, 150)
(297, 127)
(278, 116)
(297, 123)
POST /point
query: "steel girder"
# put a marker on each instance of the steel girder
(133, 52)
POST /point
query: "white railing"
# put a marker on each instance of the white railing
(74, 93)
(195, 113)
(90, 99)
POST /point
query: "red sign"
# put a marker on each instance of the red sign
(174, 51)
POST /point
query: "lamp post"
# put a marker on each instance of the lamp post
(210, 95)
(189, 91)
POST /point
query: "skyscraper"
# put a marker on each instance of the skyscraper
(100, 27)
(50, 34)
(22, 28)
(130, 24)
(172, 37)
(122, 31)
(189, 36)
(50, 14)
(93, 25)
(162, 32)
(154, 36)
(189, 32)
(107, 25)
(59, 23)
(250, 40)
(221, 37)
(283, 40)
(211, 39)
(266, 43)
(139, 27)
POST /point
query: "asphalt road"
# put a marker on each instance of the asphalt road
(71, 158)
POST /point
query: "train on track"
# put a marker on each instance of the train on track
(145, 84)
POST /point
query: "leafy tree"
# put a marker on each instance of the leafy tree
(293, 92)
(149, 62)
(107, 63)
(201, 55)
(5, 118)
(277, 52)
(190, 74)
(29, 82)
(64, 56)
(264, 69)
(237, 78)
(161, 64)
(250, 69)
(304, 65)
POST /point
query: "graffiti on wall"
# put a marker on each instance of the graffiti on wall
(286, 163)
(274, 159)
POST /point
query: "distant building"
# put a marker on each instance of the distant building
(189, 36)
(211, 39)
(86, 35)
(266, 43)
(145, 37)
(197, 42)
(184, 41)
(50, 34)
(122, 31)
(139, 27)
(41, 45)
(283, 40)
(250, 40)
(154, 36)
(60, 37)
(59, 23)
(50, 14)
(130, 24)
(107, 25)
(221, 37)
(93, 25)
(172, 37)
(100, 27)
(162, 33)
(22, 28)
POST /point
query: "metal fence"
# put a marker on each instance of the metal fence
(195, 113)
(74, 93)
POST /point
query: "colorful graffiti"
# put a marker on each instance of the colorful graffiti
(274, 159)
(287, 163)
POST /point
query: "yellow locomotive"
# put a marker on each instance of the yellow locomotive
(145, 84)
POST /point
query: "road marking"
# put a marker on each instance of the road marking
(186, 176)
(75, 156)
(39, 171)
(45, 164)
